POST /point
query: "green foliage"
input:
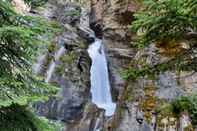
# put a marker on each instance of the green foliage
(6, 13)
(35, 3)
(188, 104)
(19, 43)
(19, 118)
(183, 104)
(20, 39)
(164, 20)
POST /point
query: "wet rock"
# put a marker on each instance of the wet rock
(91, 120)
(72, 68)
(88, 35)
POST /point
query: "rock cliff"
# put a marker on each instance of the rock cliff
(137, 100)
(66, 64)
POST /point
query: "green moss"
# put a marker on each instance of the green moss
(47, 61)
(83, 45)
(118, 116)
(128, 94)
(66, 59)
(60, 69)
(69, 57)
(164, 111)
(52, 48)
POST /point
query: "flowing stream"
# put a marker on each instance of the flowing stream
(100, 86)
(51, 69)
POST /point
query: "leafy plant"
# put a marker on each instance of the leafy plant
(188, 104)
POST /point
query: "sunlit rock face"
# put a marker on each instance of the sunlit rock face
(20, 6)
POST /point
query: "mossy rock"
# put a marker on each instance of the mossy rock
(149, 102)
(52, 48)
(69, 57)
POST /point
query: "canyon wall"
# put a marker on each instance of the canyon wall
(138, 100)
(66, 64)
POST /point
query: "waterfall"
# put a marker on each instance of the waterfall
(51, 69)
(100, 86)
(38, 66)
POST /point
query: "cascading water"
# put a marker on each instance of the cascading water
(100, 86)
(53, 63)
(38, 66)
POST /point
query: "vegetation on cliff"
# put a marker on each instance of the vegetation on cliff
(167, 24)
(35, 3)
(20, 39)
(184, 104)
(165, 20)
(171, 26)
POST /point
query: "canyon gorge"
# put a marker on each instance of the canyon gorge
(87, 59)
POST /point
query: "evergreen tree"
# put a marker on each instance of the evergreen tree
(164, 20)
(20, 39)
(165, 23)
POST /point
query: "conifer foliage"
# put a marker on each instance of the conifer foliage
(166, 23)
(164, 20)
(20, 38)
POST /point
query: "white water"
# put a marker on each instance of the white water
(100, 86)
(51, 69)
(38, 66)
